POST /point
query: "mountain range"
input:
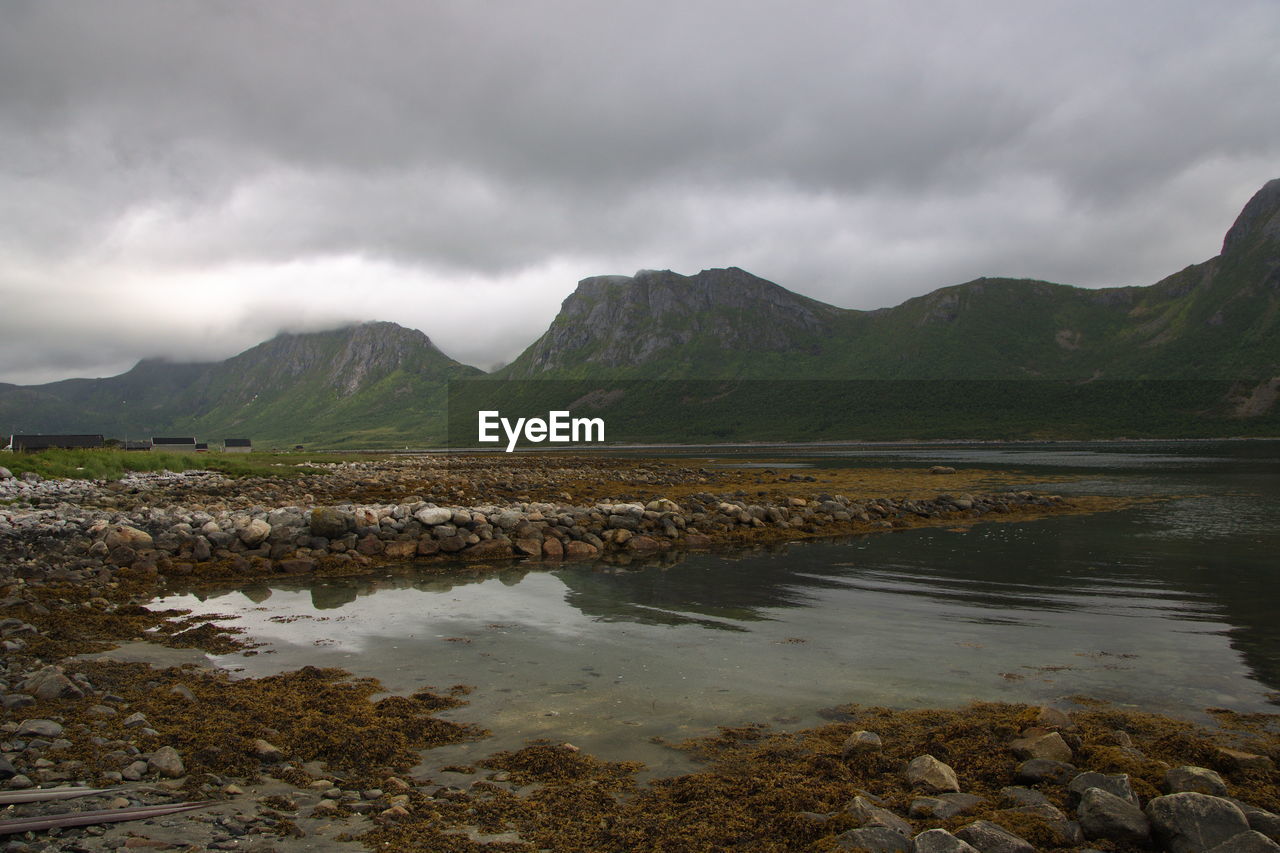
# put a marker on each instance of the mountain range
(1215, 326)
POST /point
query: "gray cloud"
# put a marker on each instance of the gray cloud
(185, 178)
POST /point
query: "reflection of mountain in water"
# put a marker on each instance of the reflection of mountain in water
(717, 591)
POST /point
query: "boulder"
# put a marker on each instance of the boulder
(1049, 746)
(51, 683)
(940, 841)
(861, 742)
(166, 762)
(1247, 842)
(1104, 815)
(1192, 823)
(873, 839)
(943, 806)
(867, 814)
(992, 838)
(488, 549)
(576, 550)
(123, 536)
(925, 771)
(433, 515)
(1239, 760)
(1045, 770)
(38, 728)
(1117, 784)
(1198, 780)
(331, 522)
(254, 533)
(400, 550)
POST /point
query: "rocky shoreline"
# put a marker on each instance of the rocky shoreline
(313, 760)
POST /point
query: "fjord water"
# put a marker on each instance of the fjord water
(1168, 605)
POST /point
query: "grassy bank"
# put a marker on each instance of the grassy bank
(108, 464)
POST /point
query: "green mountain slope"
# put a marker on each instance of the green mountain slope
(1215, 320)
(375, 384)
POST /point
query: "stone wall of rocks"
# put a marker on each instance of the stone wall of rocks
(78, 540)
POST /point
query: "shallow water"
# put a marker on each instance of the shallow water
(1168, 605)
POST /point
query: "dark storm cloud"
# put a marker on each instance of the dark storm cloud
(164, 165)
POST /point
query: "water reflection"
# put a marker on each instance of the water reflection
(1169, 605)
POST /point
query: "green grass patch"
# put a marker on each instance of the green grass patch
(108, 464)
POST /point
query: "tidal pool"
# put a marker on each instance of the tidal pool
(1168, 605)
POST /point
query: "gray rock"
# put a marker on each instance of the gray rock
(1102, 814)
(330, 522)
(254, 533)
(925, 771)
(1192, 823)
(5, 473)
(861, 742)
(7, 770)
(1260, 820)
(134, 771)
(943, 806)
(1023, 796)
(1066, 832)
(1197, 780)
(1247, 842)
(874, 839)
(20, 782)
(430, 516)
(1045, 770)
(39, 728)
(867, 814)
(1049, 746)
(135, 720)
(990, 838)
(166, 762)
(940, 841)
(50, 683)
(1117, 784)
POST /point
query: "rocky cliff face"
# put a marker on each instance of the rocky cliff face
(618, 321)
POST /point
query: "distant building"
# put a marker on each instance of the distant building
(63, 442)
(135, 444)
(174, 445)
(202, 447)
(237, 445)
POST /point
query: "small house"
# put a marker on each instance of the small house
(237, 445)
(32, 443)
(135, 444)
(174, 445)
(202, 447)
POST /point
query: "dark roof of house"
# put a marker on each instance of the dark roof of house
(41, 442)
(203, 445)
(237, 442)
(173, 441)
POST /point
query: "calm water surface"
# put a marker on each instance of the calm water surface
(1170, 605)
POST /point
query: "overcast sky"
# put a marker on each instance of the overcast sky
(185, 179)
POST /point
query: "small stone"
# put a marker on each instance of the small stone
(1198, 780)
(21, 781)
(134, 721)
(183, 691)
(861, 742)
(134, 771)
(928, 772)
(1053, 718)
